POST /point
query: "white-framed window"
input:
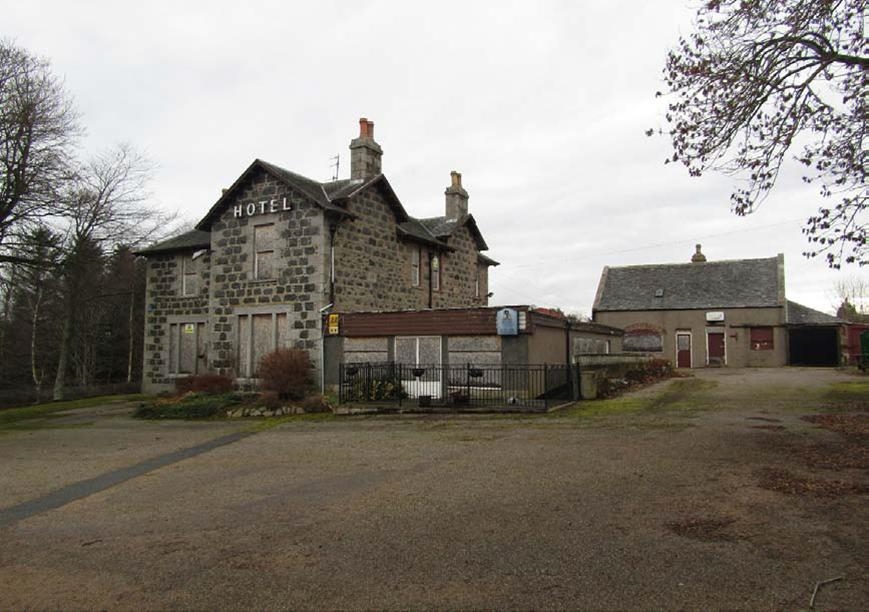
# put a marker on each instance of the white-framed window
(264, 251)
(436, 273)
(189, 276)
(414, 266)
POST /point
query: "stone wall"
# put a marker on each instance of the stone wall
(458, 273)
(372, 265)
(165, 305)
(298, 287)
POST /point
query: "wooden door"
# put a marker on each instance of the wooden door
(683, 350)
(716, 348)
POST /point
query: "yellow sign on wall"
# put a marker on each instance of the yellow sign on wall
(333, 324)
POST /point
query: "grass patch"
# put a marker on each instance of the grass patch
(850, 395)
(10, 418)
(681, 394)
(269, 423)
(36, 424)
(190, 406)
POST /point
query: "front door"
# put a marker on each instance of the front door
(683, 350)
(716, 348)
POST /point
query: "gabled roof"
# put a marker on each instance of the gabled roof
(443, 228)
(331, 197)
(797, 314)
(414, 230)
(312, 189)
(739, 283)
(188, 241)
(487, 260)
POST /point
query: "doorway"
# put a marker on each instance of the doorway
(715, 342)
(683, 349)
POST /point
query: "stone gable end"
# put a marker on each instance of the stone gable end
(293, 293)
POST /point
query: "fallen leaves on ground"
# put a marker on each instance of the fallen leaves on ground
(782, 481)
(704, 528)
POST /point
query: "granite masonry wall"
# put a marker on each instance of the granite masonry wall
(239, 317)
(166, 305)
(372, 265)
(458, 273)
(294, 294)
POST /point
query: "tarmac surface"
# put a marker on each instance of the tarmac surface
(660, 508)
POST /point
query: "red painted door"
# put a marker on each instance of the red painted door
(716, 348)
(683, 350)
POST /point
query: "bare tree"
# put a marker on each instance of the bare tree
(39, 129)
(759, 79)
(851, 296)
(106, 206)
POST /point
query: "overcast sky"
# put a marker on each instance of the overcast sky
(540, 105)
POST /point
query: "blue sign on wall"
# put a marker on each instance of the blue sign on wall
(507, 322)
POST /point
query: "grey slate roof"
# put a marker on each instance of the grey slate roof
(194, 239)
(412, 228)
(329, 196)
(487, 260)
(440, 226)
(797, 314)
(739, 283)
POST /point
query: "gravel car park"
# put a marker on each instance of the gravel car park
(737, 489)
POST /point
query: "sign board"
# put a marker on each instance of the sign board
(189, 328)
(333, 324)
(507, 322)
(263, 207)
(714, 317)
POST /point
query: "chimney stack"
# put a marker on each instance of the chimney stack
(365, 153)
(457, 197)
(698, 257)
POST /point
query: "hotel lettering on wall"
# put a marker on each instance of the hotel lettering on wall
(262, 207)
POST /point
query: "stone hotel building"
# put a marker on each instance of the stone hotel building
(278, 250)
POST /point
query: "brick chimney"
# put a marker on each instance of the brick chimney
(365, 154)
(698, 256)
(457, 197)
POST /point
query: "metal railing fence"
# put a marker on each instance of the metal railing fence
(514, 387)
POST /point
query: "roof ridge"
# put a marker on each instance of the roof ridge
(694, 263)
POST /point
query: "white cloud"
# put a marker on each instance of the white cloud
(541, 105)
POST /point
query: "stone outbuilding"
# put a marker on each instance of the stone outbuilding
(278, 250)
(715, 313)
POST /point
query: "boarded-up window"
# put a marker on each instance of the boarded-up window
(187, 348)
(414, 267)
(423, 350)
(436, 273)
(258, 335)
(590, 346)
(762, 339)
(264, 251)
(645, 341)
(263, 337)
(189, 276)
(420, 351)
